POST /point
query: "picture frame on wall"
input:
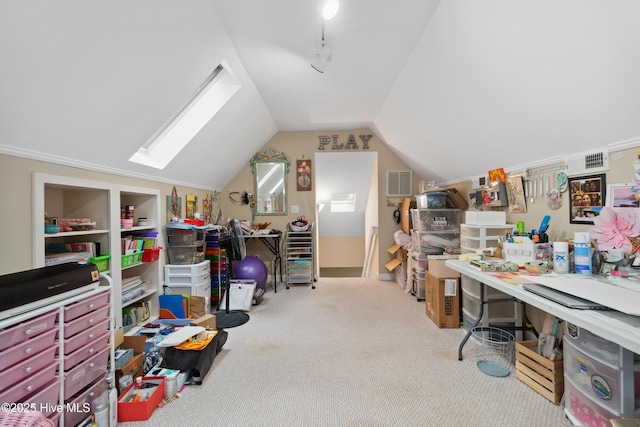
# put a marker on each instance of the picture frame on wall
(622, 196)
(587, 195)
(515, 191)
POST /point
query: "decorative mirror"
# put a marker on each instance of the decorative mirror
(270, 170)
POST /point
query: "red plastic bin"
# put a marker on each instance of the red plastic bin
(151, 255)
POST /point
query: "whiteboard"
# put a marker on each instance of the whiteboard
(608, 294)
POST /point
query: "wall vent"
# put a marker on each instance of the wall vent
(587, 162)
(399, 183)
(478, 182)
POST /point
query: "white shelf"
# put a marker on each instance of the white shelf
(66, 197)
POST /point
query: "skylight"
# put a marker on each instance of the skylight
(343, 202)
(185, 124)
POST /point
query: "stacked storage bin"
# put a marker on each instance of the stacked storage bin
(185, 243)
(187, 272)
(192, 279)
(601, 379)
(481, 230)
(434, 229)
(218, 263)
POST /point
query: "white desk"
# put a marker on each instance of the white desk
(620, 328)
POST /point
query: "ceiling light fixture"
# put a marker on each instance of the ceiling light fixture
(330, 9)
(321, 59)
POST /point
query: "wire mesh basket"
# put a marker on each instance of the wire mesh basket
(494, 350)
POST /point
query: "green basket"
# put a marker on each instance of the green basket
(102, 262)
(131, 259)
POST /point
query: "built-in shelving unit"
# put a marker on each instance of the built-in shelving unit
(66, 197)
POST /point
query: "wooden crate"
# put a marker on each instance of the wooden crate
(541, 374)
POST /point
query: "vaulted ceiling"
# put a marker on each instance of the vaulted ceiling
(453, 87)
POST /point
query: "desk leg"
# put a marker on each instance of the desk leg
(277, 264)
(470, 331)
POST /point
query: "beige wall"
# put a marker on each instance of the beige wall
(341, 252)
(299, 144)
(16, 201)
(620, 171)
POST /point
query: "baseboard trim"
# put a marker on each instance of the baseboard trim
(386, 276)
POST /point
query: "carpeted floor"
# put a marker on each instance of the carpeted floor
(352, 352)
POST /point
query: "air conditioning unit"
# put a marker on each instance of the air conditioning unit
(587, 162)
(477, 182)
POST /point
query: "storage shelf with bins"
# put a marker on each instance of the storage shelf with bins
(146, 204)
(433, 230)
(299, 256)
(473, 237)
(66, 197)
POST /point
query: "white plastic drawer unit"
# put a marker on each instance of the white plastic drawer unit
(592, 344)
(188, 269)
(583, 409)
(484, 232)
(28, 329)
(593, 378)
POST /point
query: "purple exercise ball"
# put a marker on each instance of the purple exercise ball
(251, 268)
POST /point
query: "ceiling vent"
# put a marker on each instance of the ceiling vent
(399, 183)
(587, 162)
(477, 182)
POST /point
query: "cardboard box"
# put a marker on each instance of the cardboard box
(207, 321)
(456, 199)
(142, 410)
(485, 218)
(541, 374)
(442, 300)
(436, 266)
(135, 366)
(405, 217)
(400, 257)
(118, 337)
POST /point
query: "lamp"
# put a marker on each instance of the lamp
(330, 9)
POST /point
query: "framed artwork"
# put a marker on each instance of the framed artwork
(515, 193)
(192, 205)
(586, 198)
(174, 205)
(303, 175)
(621, 196)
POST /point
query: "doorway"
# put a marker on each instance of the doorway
(346, 210)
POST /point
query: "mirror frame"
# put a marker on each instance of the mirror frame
(270, 156)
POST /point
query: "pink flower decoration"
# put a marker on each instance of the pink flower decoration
(612, 229)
